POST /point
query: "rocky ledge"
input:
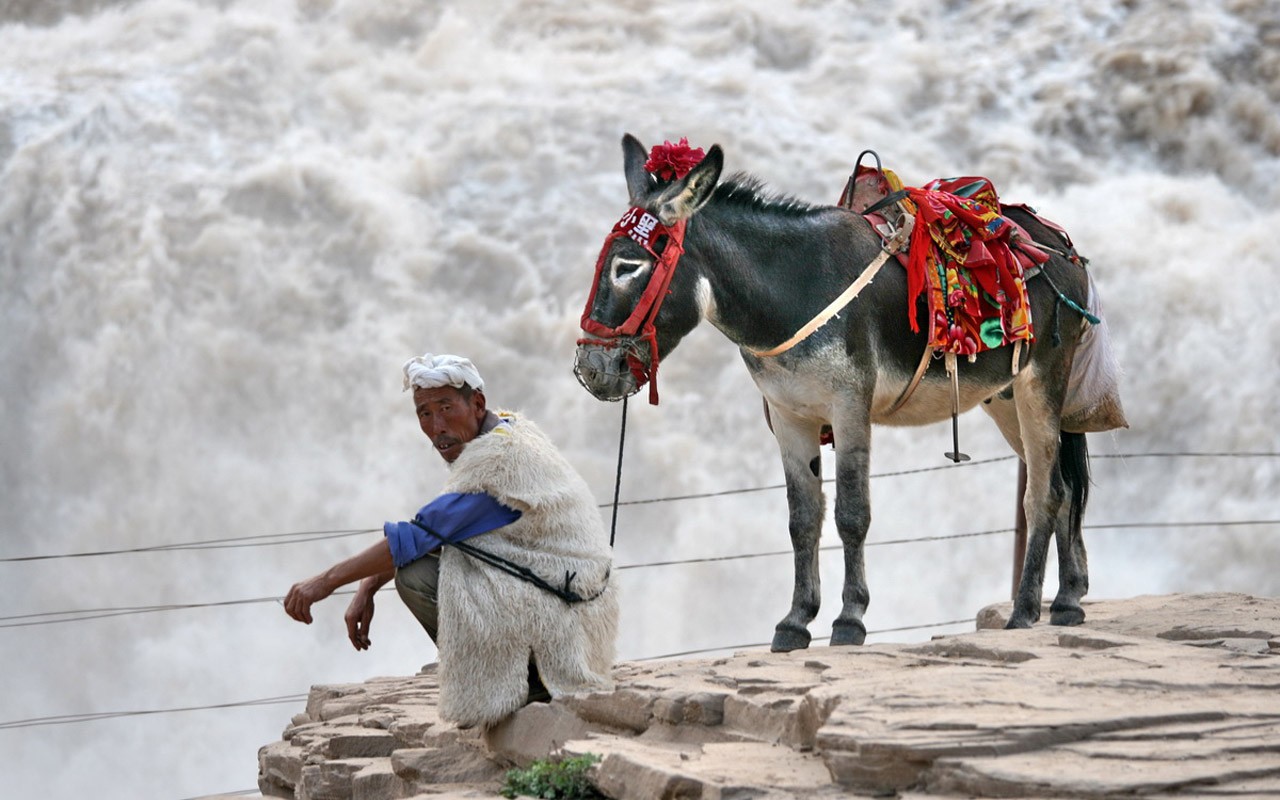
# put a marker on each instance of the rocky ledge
(1155, 696)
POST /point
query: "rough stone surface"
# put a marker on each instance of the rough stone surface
(538, 729)
(1172, 696)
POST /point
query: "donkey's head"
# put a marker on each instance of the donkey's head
(640, 305)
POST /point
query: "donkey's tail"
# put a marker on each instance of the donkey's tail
(1073, 461)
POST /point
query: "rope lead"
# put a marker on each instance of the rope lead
(617, 482)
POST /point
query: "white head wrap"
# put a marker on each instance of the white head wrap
(431, 372)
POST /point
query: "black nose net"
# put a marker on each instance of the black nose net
(608, 368)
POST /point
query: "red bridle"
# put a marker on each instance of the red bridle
(645, 229)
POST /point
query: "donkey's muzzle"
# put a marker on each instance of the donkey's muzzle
(605, 370)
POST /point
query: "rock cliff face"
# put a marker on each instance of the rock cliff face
(1158, 696)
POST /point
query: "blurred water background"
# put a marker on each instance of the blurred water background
(225, 224)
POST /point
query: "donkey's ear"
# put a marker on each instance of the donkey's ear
(690, 193)
(634, 156)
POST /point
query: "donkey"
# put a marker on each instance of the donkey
(758, 267)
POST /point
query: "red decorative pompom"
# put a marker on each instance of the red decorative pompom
(671, 161)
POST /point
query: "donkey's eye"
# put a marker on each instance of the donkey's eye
(625, 269)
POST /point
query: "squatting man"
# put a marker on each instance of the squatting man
(507, 569)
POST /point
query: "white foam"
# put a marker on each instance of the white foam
(224, 226)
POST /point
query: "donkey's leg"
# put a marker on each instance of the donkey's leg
(1073, 576)
(802, 464)
(1038, 424)
(1004, 413)
(1073, 569)
(853, 518)
(1073, 563)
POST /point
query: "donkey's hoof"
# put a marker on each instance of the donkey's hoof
(851, 632)
(1023, 615)
(787, 638)
(1066, 615)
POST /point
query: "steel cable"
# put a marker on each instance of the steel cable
(299, 537)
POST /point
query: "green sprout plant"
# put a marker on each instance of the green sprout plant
(554, 778)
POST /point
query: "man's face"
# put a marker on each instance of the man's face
(449, 418)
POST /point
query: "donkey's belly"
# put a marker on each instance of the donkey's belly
(929, 403)
(816, 388)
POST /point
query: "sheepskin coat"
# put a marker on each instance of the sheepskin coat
(490, 621)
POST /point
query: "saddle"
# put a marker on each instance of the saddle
(970, 259)
(975, 262)
(1093, 401)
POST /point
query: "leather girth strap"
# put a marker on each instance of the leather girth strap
(915, 381)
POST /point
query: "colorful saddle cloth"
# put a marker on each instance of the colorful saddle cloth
(961, 255)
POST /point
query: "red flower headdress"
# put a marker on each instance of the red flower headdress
(673, 161)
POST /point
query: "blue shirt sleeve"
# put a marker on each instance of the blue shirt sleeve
(449, 518)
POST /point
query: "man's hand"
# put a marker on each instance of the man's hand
(374, 564)
(359, 617)
(297, 603)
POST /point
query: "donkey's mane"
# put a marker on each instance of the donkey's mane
(748, 191)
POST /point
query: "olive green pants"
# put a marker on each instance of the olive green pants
(416, 583)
